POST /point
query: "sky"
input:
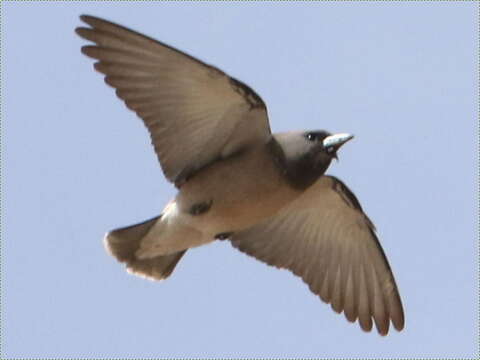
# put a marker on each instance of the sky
(401, 76)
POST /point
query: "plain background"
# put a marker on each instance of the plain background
(401, 76)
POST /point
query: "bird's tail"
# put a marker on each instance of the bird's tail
(123, 245)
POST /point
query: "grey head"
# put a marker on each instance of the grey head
(305, 156)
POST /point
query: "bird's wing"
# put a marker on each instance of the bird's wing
(325, 238)
(195, 113)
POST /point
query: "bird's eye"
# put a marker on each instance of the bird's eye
(330, 149)
(312, 137)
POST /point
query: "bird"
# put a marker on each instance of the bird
(266, 193)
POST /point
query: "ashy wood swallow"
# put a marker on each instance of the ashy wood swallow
(266, 193)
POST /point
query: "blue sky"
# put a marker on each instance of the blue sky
(401, 76)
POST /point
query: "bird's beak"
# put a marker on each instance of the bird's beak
(336, 140)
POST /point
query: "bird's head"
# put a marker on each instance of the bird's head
(305, 156)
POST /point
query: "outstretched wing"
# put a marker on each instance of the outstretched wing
(195, 113)
(325, 238)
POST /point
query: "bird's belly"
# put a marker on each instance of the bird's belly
(235, 194)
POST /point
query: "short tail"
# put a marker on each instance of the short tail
(123, 244)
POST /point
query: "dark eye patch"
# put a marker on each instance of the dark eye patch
(316, 136)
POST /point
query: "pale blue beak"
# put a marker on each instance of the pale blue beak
(336, 140)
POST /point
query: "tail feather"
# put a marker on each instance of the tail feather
(123, 244)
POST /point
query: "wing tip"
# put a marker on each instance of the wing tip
(88, 50)
(83, 32)
(89, 19)
(350, 316)
(399, 324)
(382, 329)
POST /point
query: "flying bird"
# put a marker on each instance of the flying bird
(265, 193)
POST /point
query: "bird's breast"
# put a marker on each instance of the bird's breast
(235, 193)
